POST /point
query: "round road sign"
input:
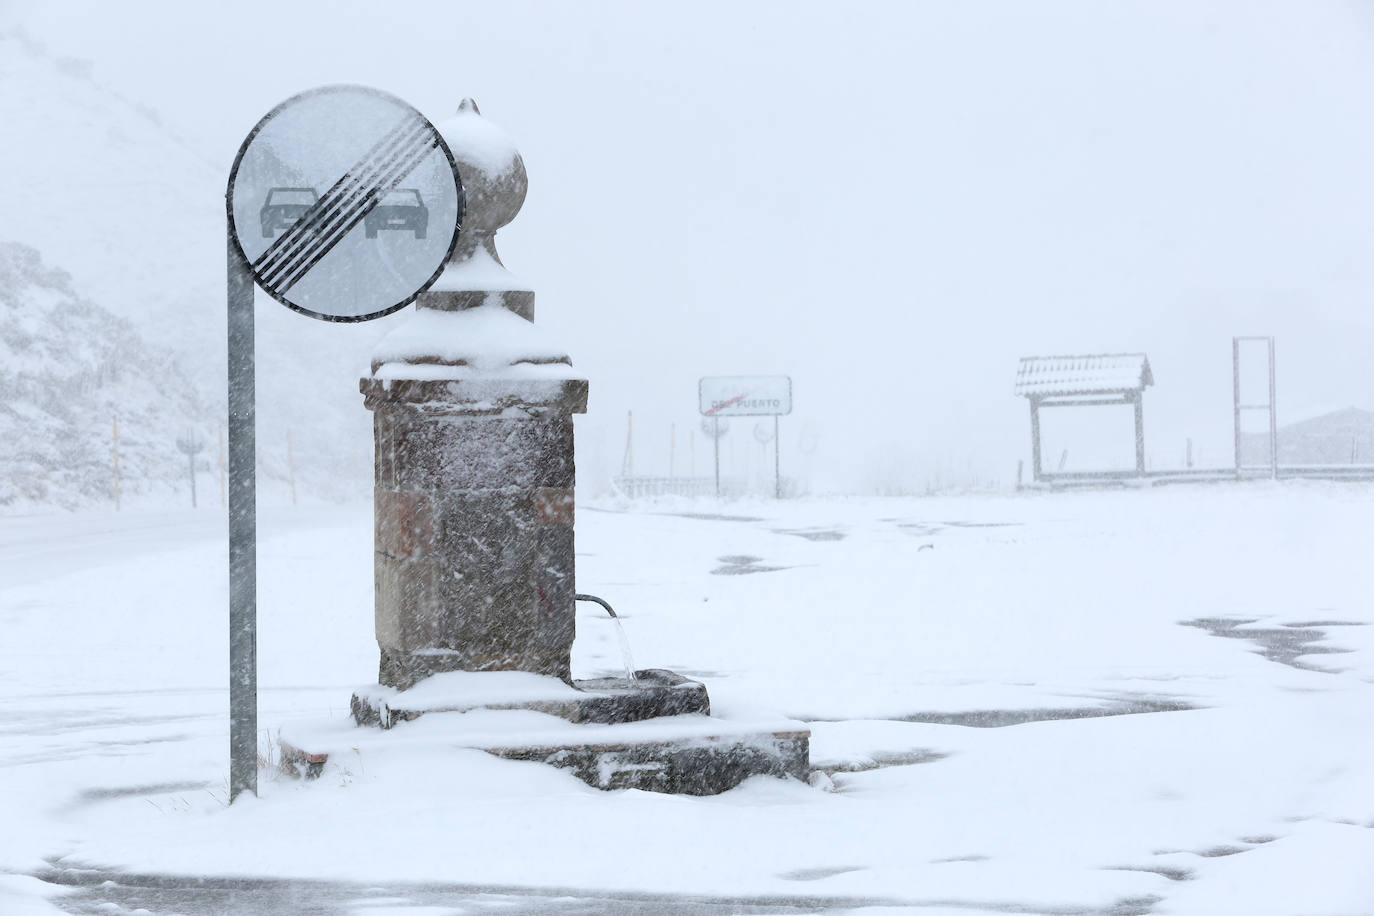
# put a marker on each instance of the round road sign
(715, 427)
(345, 203)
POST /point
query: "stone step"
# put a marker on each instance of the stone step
(689, 754)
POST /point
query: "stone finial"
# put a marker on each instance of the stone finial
(495, 183)
(466, 325)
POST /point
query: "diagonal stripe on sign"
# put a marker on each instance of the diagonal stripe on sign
(724, 404)
(351, 211)
(359, 193)
(304, 238)
(344, 193)
(357, 213)
(291, 238)
(279, 248)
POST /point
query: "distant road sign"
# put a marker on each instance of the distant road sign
(318, 180)
(746, 395)
(714, 428)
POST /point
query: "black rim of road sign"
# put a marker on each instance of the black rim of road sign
(234, 229)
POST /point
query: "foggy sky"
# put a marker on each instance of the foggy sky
(890, 202)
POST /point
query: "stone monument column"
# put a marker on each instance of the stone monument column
(472, 417)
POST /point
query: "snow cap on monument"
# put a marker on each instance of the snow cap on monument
(477, 318)
(495, 183)
(492, 170)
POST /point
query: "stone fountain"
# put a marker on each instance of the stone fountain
(475, 583)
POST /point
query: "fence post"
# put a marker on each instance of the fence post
(291, 466)
(116, 462)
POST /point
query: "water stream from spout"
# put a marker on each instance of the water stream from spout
(625, 649)
(625, 655)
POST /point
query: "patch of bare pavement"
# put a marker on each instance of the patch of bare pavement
(922, 528)
(880, 760)
(704, 516)
(1000, 718)
(740, 565)
(99, 891)
(163, 895)
(813, 534)
(1285, 644)
(1175, 872)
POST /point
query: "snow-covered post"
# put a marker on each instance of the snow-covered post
(472, 414)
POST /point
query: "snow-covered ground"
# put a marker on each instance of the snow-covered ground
(1097, 702)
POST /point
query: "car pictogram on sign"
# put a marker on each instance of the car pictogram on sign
(283, 207)
(402, 208)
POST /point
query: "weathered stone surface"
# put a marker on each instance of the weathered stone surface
(433, 453)
(474, 516)
(654, 692)
(694, 767)
(683, 759)
(477, 397)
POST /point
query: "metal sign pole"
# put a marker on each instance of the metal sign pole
(1273, 419)
(277, 235)
(243, 549)
(1235, 394)
(715, 437)
(777, 462)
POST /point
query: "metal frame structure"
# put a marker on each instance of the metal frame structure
(1066, 381)
(1096, 380)
(1270, 407)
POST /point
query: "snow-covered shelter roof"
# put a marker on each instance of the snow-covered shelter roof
(1109, 373)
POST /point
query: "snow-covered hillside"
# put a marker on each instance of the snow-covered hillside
(102, 188)
(69, 370)
(1338, 437)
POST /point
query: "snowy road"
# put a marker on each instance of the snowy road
(1124, 702)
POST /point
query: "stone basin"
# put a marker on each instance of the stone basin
(654, 692)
